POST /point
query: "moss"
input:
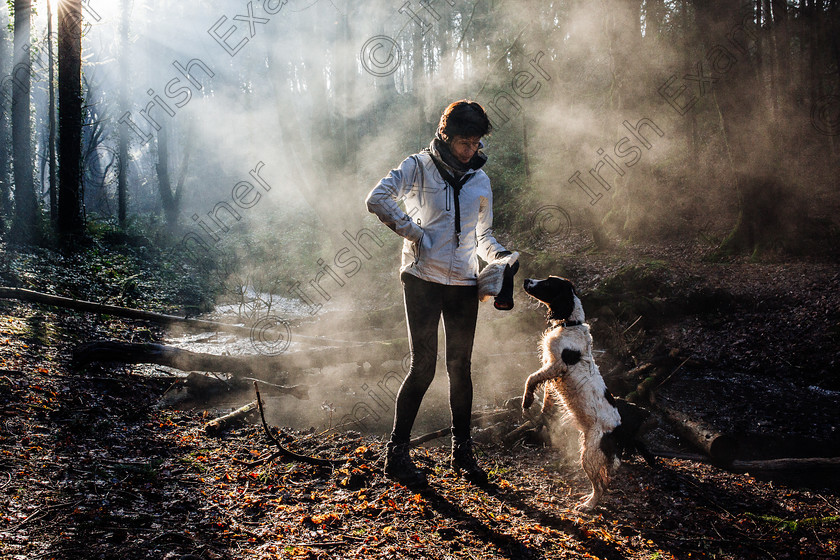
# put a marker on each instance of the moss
(542, 264)
(634, 290)
(794, 525)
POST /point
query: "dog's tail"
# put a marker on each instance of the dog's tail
(545, 373)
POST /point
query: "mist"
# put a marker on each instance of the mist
(612, 120)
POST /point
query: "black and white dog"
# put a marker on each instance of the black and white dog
(608, 426)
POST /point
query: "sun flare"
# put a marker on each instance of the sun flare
(93, 11)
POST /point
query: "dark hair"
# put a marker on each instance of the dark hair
(464, 118)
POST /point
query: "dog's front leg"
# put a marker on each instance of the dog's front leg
(549, 371)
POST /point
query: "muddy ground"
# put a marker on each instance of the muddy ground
(91, 468)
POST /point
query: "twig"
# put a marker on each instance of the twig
(285, 452)
(258, 462)
(832, 506)
(325, 544)
(670, 375)
(484, 416)
(42, 511)
(632, 325)
(420, 440)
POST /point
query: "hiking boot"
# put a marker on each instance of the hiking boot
(400, 467)
(464, 460)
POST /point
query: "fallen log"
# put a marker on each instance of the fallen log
(794, 464)
(21, 294)
(721, 448)
(185, 360)
(787, 464)
(354, 352)
(223, 422)
(200, 387)
(639, 370)
(513, 436)
(644, 391)
(257, 364)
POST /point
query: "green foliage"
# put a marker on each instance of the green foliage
(635, 289)
(262, 259)
(643, 277)
(133, 268)
(506, 169)
(11, 5)
(544, 263)
(793, 525)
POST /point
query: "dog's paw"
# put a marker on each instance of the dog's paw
(587, 504)
(527, 400)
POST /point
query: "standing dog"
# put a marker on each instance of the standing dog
(608, 427)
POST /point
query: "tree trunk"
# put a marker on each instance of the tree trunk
(185, 360)
(526, 161)
(171, 198)
(24, 227)
(170, 211)
(5, 107)
(70, 115)
(51, 141)
(93, 307)
(735, 90)
(122, 191)
(692, 133)
(267, 366)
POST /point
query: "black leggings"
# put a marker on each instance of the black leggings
(425, 302)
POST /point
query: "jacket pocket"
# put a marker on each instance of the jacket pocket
(421, 247)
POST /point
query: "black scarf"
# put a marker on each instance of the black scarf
(441, 149)
(453, 172)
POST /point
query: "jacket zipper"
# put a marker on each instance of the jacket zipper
(417, 245)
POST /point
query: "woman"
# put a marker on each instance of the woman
(447, 225)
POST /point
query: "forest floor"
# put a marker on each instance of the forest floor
(91, 468)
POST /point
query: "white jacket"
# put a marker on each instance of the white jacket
(432, 250)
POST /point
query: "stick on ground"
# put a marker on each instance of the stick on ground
(285, 452)
(239, 415)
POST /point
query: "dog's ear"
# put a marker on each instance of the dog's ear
(566, 282)
(563, 303)
(562, 307)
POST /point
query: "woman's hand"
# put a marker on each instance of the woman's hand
(421, 245)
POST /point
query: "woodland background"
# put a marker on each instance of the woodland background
(209, 160)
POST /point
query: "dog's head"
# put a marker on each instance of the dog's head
(558, 294)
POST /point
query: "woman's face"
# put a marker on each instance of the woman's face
(464, 148)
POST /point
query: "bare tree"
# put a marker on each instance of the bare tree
(70, 115)
(24, 226)
(52, 123)
(122, 190)
(5, 184)
(170, 198)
